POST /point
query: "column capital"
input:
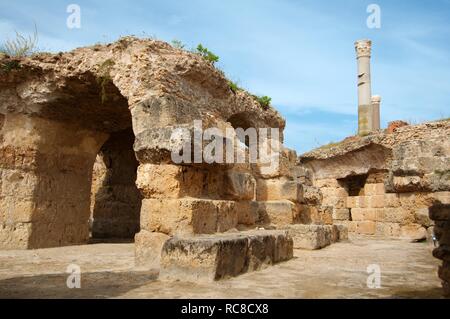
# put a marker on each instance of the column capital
(363, 48)
(376, 99)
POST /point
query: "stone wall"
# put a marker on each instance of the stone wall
(45, 182)
(384, 184)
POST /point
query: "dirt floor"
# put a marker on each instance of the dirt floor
(408, 270)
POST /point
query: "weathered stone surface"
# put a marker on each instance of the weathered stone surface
(341, 214)
(148, 249)
(313, 237)
(188, 216)
(169, 181)
(413, 232)
(310, 195)
(248, 212)
(278, 213)
(217, 257)
(422, 217)
(342, 231)
(278, 189)
(240, 186)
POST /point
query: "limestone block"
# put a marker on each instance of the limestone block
(309, 237)
(379, 189)
(369, 189)
(301, 175)
(148, 248)
(336, 202)
(278, 189)
(351, 202)
(239, 186)
(281, 165)
(187, 216)
(247, 212)
(208, 258)
(319, 215)
(391, 200)
(334, 192)
(341, 214)
(398, 215)
(169, 181)
(310, 195)
(362, 201)
(413, 232)
(365, 227)
(15, 236)
(279, 213)
(314, 237)
(363, 214)
(442, 197)
(388, 229)
(227, 216)
(376, 201)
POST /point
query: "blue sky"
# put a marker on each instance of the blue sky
(300, 52)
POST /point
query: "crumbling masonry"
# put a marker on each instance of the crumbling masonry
(86, 143)
(100, 120)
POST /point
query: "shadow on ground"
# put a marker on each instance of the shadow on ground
(93, 285)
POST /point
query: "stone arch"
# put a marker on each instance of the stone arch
(48, 153)
(115, 199)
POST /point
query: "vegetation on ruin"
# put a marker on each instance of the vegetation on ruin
(329, 145)
(21, 45)
(264, 101)
(8, 66)
(177, 44)
(234, 86)
(104, 78)
(207, 54)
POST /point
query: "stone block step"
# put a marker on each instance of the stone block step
(314, 237)
(215, 257)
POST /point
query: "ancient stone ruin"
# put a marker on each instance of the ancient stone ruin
(388, 184)
(100, 120)
(87, 143)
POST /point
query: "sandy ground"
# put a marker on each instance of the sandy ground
(408, 270)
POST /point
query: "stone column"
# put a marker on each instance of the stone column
(376, 101)
(365, 110)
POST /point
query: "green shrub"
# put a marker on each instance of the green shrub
(206, 54)
(264, 101)
(233, 86)
(21, 45)
(9, 66)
